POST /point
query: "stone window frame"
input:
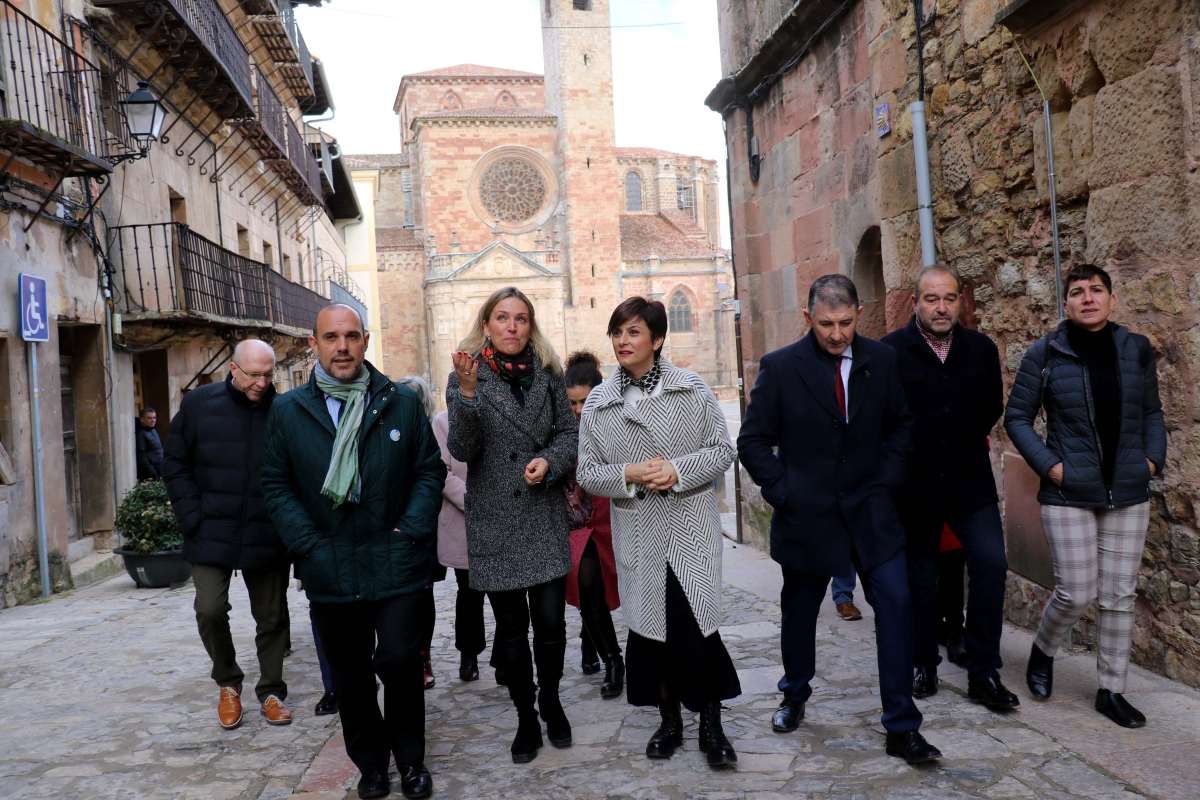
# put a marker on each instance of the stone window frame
(680, 308)
(532, 157)
(641, 190)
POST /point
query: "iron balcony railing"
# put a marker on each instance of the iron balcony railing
(167, 270)
(266, 127)
(306, 178)
(51, 99)
(277, 29)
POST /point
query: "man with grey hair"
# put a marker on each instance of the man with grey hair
(211, 468)
(826, 436)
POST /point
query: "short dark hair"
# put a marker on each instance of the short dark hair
(834, 291)
(651, 312)
(583, 369)
(1085, 273)
(943, 269)
(147, 410)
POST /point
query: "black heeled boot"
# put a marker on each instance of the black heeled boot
(1039, 674)
(558, 727)
(713, 742)
(614, 677)
(669, 736)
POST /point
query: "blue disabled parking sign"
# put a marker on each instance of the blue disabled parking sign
(35, 317)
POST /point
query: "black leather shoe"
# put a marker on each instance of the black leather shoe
(925, 682)
(988, 691)
(590, 667)
(669, 736)
(614, 677)
(528, 740)
(1039, 674)
(912, 747)
(326, 705)
(713, 742)
(955, 652)
(374, 784)
(416, 782)
(468, 668)
(787, 717)
(558, 727)
(1117, 708)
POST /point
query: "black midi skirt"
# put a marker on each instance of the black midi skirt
(693, 667)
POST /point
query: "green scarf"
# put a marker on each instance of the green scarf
(342, 479)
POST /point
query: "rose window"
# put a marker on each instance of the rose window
(512, 190)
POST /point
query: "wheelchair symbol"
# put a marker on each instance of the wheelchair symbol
(34, 320)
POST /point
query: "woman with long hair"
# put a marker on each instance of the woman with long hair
(511, 424)
(653, 438)
(592, 583)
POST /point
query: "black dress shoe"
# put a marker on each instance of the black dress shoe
(415, 782)
(669, 736)
(374, 784)
(468, 668)
(912, 747)
(614, 677)
(955, 652)
(787, 717)
(590, 667)
(326, 705)
(925, 682)
(1039, 674)
(528, 739)
(1117, 708)
(558, 727)
(988, 691)
(712, 740)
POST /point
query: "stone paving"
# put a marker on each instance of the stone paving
(104, 694)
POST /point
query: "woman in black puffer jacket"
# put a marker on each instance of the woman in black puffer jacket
(1105, 439)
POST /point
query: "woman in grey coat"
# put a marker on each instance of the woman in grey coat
(511, 423)
(653, 438)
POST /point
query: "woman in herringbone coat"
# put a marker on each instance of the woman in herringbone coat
(653, 438)
(511, 424)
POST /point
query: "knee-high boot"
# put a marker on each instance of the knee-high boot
(549, 658)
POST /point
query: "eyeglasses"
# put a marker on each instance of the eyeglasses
(254, 376)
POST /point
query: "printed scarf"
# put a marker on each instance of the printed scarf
(518, 369)
(646, 383)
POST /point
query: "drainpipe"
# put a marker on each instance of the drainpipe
(737, 337)
(921, 150)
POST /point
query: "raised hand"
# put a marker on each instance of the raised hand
(466, 367)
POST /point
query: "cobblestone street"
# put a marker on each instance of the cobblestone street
(105, 695)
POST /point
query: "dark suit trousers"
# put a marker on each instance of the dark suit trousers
(886, 589)
(391, 629)
(982, 537)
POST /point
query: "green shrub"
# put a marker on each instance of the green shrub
(146, 521)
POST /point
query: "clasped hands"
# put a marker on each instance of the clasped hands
(658, 474)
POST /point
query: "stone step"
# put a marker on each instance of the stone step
(80, 548)
(95, 567)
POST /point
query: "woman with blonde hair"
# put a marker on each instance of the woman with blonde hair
(512, 425)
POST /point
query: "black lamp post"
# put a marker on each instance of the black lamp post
(144, 114)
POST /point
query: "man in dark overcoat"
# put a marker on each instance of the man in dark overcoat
(211, 469)
(826, 437)
(353, 478)
(951, 377)
(148, 445)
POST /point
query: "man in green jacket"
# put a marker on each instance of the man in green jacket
(352, 476)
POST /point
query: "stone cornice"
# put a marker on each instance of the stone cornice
(470, 121)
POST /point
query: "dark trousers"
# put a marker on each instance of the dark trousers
(951, 593)
(268, 605)
(593, 605)
(469, 637)
(982, 537)
(391, 630)
(544, 606)
(322, 659)
(885, 587)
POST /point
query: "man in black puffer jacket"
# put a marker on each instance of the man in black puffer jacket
(1105, 439)
(213, 457)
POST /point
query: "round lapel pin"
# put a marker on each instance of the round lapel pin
(395, 434)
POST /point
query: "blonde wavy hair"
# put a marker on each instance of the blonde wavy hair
(476, 339)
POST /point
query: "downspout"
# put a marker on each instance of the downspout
(737, 337)
(921, 150)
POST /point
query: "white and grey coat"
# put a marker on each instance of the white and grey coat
(516, 534)
(652, 530)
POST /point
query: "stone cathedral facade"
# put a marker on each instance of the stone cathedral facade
(510, 177)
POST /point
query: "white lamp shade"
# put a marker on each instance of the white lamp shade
(144, 114)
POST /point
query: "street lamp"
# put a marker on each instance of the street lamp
(144, 114)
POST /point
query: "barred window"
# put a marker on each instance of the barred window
(633, 191)
(679, 313)
(685, 195)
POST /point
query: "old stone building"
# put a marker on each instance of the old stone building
(510, 177)
(823, 178)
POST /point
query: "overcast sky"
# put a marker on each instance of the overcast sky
(665, 61)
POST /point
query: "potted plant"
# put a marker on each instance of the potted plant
(151, 540)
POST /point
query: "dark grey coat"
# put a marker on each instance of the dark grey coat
(1054, 377)
(516, 534)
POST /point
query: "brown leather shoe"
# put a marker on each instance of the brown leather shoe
(276, 712)
(848, 612)
(229, 708)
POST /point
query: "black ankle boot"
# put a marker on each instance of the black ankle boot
(1039, 674)
(558, 727)
(614, 677)
(669, 735)
(1114, 706)
(713, 742)
(529, 737)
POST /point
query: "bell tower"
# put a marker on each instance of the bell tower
(577, 50)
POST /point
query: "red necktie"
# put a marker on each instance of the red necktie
(841, 387)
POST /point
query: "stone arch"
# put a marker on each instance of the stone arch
(451, 101)
(867, 275)
(681, 315)
(506, 100)
(633, 190)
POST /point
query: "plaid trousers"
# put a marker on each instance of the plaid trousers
(1096, 555)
